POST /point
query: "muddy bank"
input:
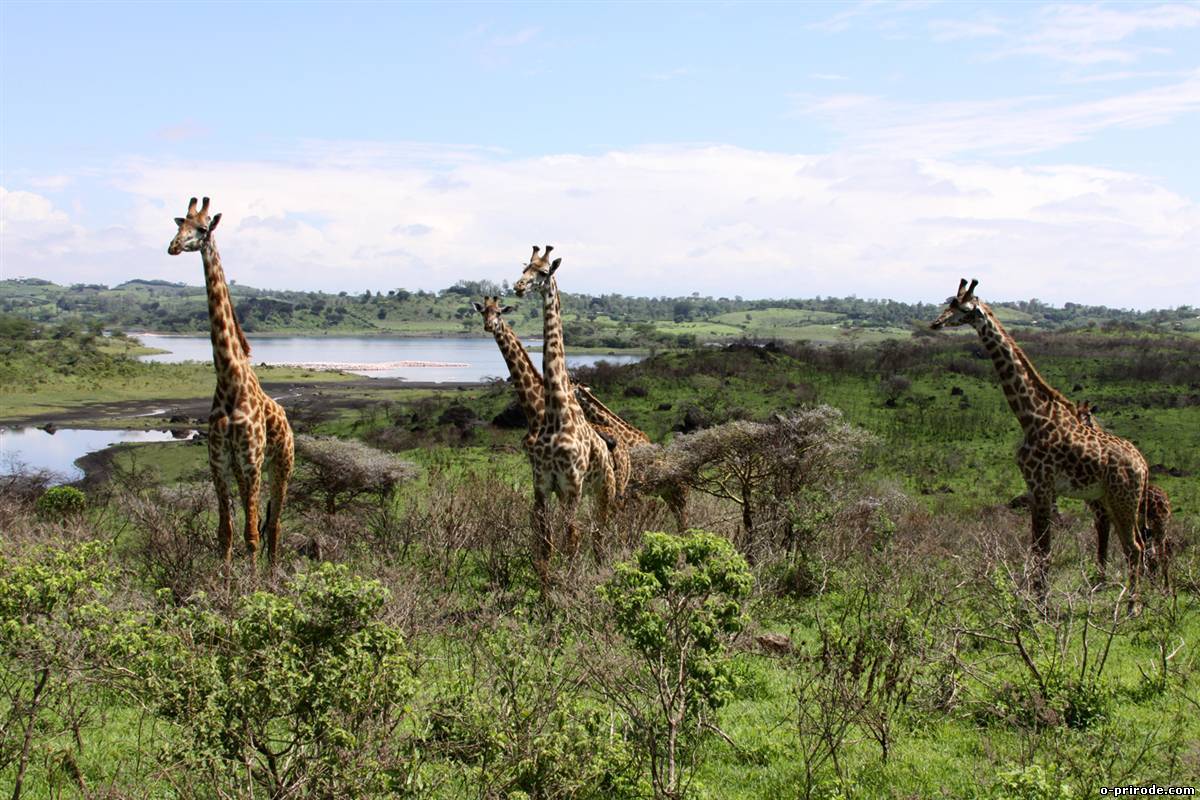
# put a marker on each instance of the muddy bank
(321, 397)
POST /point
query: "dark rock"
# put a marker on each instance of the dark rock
(774, 643)
(178, 419)
(956, 391)
(310, 549)
(1077, 388)
(665, 406)
(512, 417)
(49, 428)
(636, 391)
(693, 420)
(459, 416)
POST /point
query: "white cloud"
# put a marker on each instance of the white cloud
(1096, 33)
(660, 221)
(1006, 126)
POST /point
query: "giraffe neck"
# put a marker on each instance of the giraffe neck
(554, 360)
(230, 349)
(597, 411)
(1031, 399)
(526, 380)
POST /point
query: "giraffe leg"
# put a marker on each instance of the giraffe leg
(1125, 520)
(250, 485)
(1102, 525)
(222, 475)
(676, 499)
(1043, 514)
(279, 482)
(569, 500)
(543, 545)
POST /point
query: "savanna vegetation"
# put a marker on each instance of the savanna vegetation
(848, 616)
(605, 321)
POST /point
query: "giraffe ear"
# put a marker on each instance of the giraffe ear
(212, 224)
(508, 309)
(179, 221)
(478, 306)
(554, 266)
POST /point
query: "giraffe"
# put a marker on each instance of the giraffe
(630, 438)
(1156, 508)
(568, 452)
(1059, 454)
(247, 430)
(530, 390)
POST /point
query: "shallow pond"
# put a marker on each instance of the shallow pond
(443, 360)
(37, 449)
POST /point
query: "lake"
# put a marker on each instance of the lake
(36, 449)
(442, 360)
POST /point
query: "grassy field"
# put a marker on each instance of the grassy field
(914, 662)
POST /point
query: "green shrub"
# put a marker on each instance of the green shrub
(49, 616)
(675, 607)
(1031, 783)
(60, 502)
(294, 694)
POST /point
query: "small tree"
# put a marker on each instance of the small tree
(342, 470)
(675, 607)
(757, 464)
(296, 694)
(48, 612)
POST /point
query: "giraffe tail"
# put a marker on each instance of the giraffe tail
(264, 520)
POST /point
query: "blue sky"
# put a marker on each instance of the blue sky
(879, 149)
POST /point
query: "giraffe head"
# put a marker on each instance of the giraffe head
(491, 310)
(194, 229)
(961, 309)
(1086, 413)
(537, 272)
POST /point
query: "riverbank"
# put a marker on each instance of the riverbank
(161, 411)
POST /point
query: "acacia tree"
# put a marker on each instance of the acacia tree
(757, 465)
(341, 470)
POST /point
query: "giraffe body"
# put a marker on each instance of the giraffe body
(630, 438)
(1156, 512)
(248, 432)
(567, 454)
(530, 389)
(1060, 454)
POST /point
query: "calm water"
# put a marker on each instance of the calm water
(466, 360)
(56, 452)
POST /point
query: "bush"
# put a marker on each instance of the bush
(343, 470)
(48, 615)
(675, 607)
(61, 502)
(296, 694)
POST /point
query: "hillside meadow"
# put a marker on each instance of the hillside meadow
(871, 636)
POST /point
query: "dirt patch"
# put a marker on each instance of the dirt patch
(321, 396)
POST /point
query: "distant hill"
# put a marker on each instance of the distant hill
(610, 320)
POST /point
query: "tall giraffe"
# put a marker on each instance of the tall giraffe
(630, 438)
(530, 390)
(247, 430)
(568, 452)
(1060, 454)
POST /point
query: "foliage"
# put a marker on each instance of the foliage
(341, 470)
(675, 606)
(298, 693)
(49, 611)
(59, 502)
(511, 720)
(758, 464)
